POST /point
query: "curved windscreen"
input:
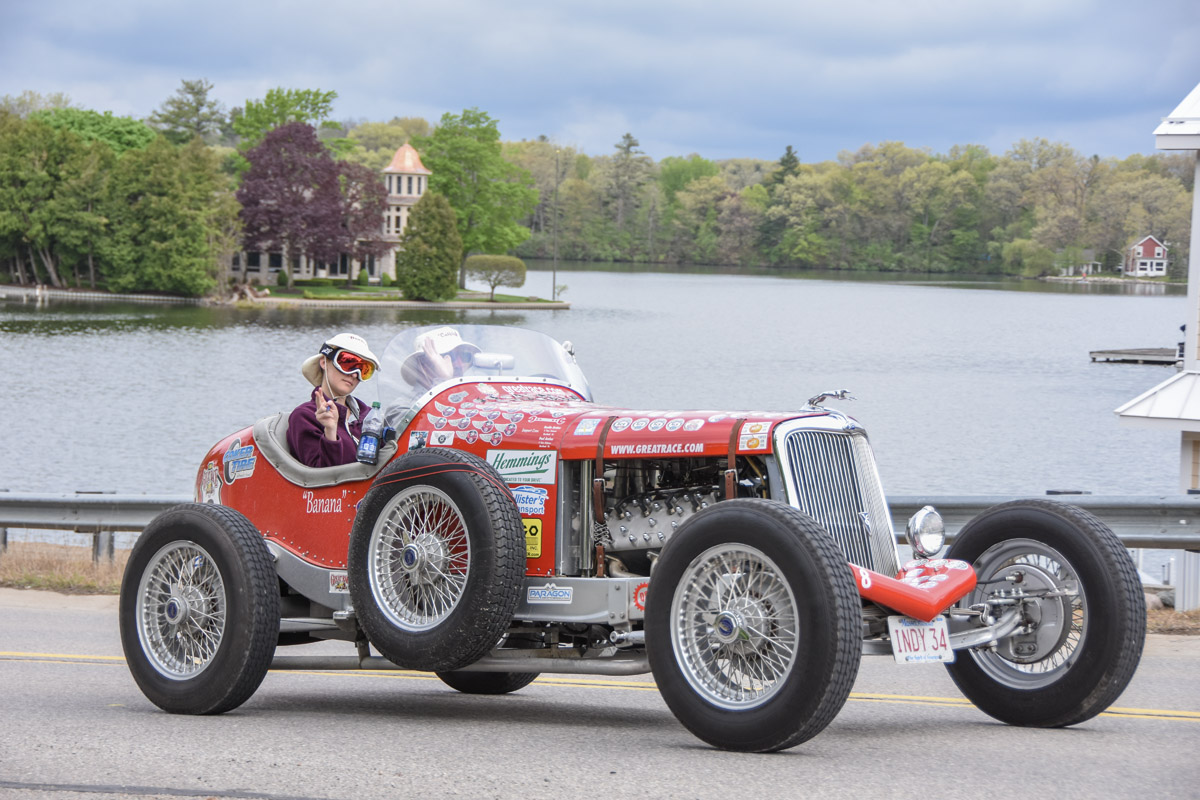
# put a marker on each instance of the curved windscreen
(418, 360)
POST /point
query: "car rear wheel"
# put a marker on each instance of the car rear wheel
(1083, 614)
(436, 559)
(487, 682)
(199, 610)
(753, 626)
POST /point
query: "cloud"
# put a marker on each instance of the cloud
(719, 80)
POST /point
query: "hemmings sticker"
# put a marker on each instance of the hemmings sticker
(238, 461)
(339, 583)
(531, 500)
(524, 466)
(548, 593)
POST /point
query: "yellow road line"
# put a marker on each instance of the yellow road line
(587, 682)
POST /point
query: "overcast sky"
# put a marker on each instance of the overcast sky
(725, 80)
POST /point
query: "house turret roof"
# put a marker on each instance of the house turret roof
(407, 161)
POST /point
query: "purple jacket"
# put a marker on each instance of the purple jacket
(306, 436)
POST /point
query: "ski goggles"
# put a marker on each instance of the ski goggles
(350, 363)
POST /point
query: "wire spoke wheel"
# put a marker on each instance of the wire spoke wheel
(753, 626)
(420, 558)
(436, 558)
(735, 619)
(181, 609)
(1082, 614)
(1059, 620)
(199, 609)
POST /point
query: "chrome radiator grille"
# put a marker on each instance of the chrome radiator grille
(832, 477)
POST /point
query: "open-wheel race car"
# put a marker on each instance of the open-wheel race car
(512, 527)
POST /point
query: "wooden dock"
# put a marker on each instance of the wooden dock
(1145, 355)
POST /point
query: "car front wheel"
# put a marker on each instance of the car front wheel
(753, 626)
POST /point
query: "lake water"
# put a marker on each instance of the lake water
(966, 386)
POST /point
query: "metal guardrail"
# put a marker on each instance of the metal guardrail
(1167, 522)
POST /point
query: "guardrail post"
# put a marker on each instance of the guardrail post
(102, 543)
(1187, 588)
(3, 539)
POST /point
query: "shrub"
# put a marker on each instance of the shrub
(430, 250)
(364, 278)
(281, 278)
(497, 271)
(312, 282)
(385, 280)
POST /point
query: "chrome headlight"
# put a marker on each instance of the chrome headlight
(926, 533)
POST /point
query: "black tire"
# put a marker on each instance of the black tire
(487, 682)
(1082, 650)
(763, 666)
(199, 610)
(438, 596)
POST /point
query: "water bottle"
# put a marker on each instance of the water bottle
(372, 435)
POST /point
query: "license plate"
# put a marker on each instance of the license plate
(917, 642)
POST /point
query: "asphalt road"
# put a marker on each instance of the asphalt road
(74, 725)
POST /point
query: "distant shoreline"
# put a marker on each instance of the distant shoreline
(42, 294)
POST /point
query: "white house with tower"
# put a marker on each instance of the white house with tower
(405, 178)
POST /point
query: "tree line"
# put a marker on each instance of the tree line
(161, 204)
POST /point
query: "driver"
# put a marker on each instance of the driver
(324, 431)
(440, 355)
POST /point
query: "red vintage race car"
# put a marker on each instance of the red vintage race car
(512, 527)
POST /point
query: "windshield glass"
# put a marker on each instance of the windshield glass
(418, 360)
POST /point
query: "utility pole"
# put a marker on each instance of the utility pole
(554, 269)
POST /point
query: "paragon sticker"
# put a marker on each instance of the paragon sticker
(549, 593)
(238, 461)
(524, 466)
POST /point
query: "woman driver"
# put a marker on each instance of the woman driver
(324, 431)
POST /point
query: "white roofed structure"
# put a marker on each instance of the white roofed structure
(1175, 403)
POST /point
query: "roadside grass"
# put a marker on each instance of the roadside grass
(69, 570)
(1175, 623)
(60, 568)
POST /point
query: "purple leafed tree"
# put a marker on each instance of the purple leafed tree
(296, 198)
(364, 201)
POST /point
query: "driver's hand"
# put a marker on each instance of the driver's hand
(441, 367)
(327, 414)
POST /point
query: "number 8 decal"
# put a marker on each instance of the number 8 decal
(864, 577)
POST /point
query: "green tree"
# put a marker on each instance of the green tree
(496, 271)
(189, 113)
(488, 194)
(630, 169)
(161, 212)
(430, 251)
(674, 173)
(257, 118)
(27, 102)
(119, 133)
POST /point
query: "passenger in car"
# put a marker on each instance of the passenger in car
(440, 355)
(324, 431)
